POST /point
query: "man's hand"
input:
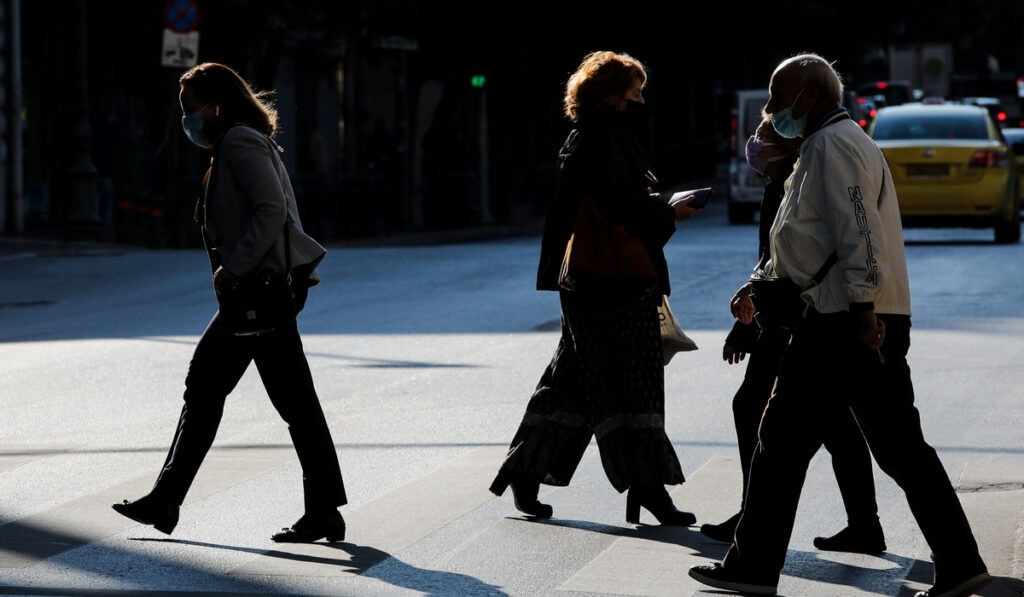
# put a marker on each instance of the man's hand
(741, 306)
(870, 330)
(731, 354)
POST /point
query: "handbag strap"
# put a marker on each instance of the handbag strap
(818, 277)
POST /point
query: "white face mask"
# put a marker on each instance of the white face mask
(786, 125)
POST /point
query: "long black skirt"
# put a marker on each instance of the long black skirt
(606, 380)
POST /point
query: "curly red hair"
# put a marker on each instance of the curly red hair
(601, 75)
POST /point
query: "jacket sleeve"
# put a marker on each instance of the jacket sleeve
(848, 182)
(618, 189)
(247, 159)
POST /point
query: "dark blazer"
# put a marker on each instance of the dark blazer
(603, 158)
(247, 204)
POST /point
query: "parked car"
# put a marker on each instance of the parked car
(992, 104)
(1015, 139)
(888, 93)
(745, 185)
(951, 167)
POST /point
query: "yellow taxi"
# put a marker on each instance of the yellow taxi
(951, 167)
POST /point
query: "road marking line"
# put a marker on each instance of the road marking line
(381, 528)
(642, 566)
(34, 538)
(15, 455)
(993, 501)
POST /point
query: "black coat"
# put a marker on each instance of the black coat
(603, 158)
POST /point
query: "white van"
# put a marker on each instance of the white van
(745, 185)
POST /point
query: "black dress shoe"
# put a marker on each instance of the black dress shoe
(524, 494)
(854, 540)
(312, 528)
(720, 577)
(724, 532)
(149, 510)
(656, 500)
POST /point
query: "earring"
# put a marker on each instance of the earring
(216, 111)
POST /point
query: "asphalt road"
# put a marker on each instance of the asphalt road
(424, 357)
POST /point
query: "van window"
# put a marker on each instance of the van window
(752, 118)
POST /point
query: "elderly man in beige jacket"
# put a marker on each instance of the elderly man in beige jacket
(851, 345)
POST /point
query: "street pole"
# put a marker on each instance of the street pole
(83, 222)
(17, 183)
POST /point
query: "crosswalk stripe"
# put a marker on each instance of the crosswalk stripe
(394, 521)
(640, 566)
(993, 499)
(15, 455)
(34, 538)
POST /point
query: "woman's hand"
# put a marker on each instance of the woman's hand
(221, 277)
(684, 211)
(731, 354)
(741, 306)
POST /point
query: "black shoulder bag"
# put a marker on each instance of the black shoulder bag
(777, 301)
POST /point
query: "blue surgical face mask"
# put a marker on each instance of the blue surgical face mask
(786, 125)
(193, 124)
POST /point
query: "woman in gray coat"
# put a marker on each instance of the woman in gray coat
(246, 205)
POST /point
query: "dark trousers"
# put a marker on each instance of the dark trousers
(842, 437)
(217, 364)
(826, 363)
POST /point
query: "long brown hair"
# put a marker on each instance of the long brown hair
(601, 75)
(238, 100)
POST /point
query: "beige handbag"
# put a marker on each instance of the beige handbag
(673, 338)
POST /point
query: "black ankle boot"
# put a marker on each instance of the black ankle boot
(656, 500)
(524, 494)
(152, 511)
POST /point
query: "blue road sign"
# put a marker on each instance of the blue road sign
(181, 16)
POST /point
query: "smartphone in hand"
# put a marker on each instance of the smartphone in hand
(700, 197)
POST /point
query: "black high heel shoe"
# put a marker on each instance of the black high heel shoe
(524, 494)
(148, 510)
(658, 502)
(312, 528)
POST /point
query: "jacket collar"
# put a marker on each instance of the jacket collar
(832, 117)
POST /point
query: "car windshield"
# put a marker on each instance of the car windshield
(929, 126)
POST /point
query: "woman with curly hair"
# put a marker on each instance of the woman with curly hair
(606, 379)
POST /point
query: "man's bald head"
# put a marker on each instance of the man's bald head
(812, 69)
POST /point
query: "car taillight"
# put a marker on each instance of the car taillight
(1001, 117)
(988, 158)
(733, 126)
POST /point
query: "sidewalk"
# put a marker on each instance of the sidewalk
(15, 246)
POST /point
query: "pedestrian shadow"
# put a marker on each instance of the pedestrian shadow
(923, 571)
(687, 537)
(363, 560)
(893, 580)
